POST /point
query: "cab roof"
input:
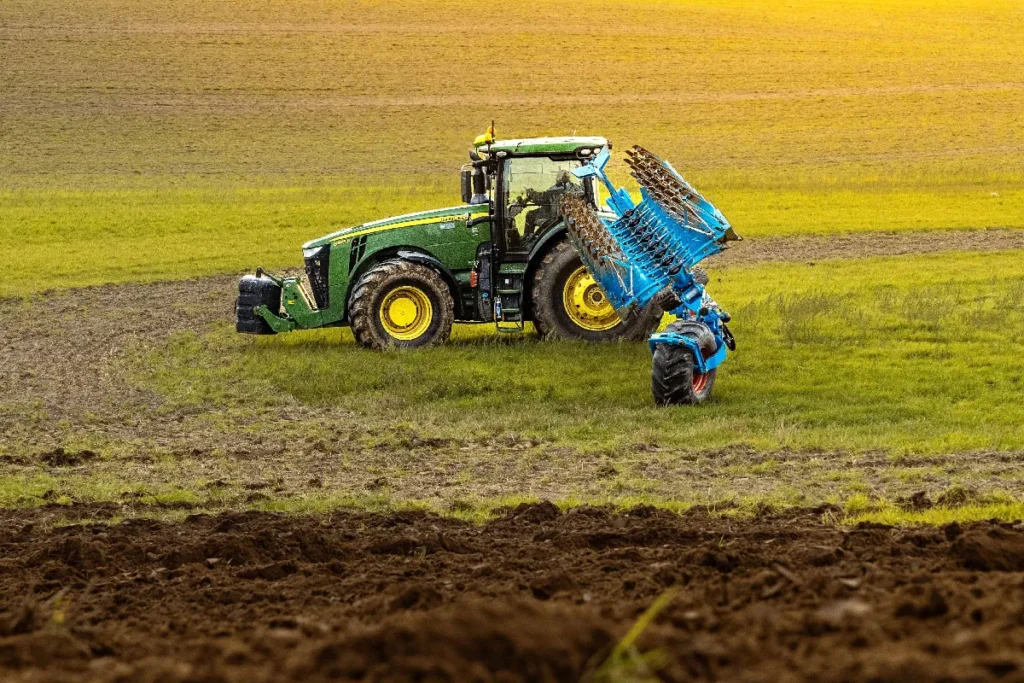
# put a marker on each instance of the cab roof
(564, 145)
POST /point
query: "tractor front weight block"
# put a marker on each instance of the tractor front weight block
(256, 294)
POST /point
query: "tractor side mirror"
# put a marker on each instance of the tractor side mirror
(479, 187)
(466, 180)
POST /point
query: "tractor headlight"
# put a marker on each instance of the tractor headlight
(310, 252)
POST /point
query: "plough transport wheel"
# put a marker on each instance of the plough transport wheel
(674, 380)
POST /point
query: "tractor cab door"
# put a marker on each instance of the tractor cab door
(532, 188)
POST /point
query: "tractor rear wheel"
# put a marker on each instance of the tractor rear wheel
(569, 304)
(674, 379)
(400, 304)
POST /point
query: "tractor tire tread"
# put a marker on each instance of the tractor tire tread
(699, 331)
(363, 314)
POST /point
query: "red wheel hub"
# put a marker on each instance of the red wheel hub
(699, 382)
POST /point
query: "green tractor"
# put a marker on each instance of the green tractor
(501, 257)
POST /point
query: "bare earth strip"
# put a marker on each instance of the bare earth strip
(852, 245)
(63, 379)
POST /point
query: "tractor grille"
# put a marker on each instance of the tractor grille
(317, 273)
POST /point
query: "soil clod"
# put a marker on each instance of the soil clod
(994, 549)
(58, 457)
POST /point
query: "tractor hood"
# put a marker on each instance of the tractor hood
(454, 213)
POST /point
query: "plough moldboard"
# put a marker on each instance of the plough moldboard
(644, 254)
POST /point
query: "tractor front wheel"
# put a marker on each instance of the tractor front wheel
(568, 303)
(674, 378)
(400, 304)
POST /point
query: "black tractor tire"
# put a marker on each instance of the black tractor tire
(673, 378)
(552, 321)
(256, 291)
(371, 292)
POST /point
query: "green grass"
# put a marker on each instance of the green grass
(175, 233)
(763, 213)
(58, 239)
(175, 502)
(626, 663)
(1007, 509)
(29, 489)
(899, 355)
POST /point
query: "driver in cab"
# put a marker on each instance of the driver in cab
(547, 203)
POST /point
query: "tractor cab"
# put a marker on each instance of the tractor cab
(524, 183)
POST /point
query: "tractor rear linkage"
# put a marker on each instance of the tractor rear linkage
(646, 256)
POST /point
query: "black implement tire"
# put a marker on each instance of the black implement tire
(551, 317)
(673, 380)
(421, 290)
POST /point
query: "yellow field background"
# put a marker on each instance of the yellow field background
(767, 93)
(163, 140)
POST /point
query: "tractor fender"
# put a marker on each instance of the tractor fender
(686, 333)
(545, 244)
(415, 256)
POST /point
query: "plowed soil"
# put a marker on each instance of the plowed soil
(536, 595)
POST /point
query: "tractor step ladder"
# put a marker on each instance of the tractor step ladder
(508, 302)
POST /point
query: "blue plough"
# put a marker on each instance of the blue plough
(646, 254)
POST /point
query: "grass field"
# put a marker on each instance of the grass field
(140, 235)
(143, 142)
(856, 382)
(875, 355)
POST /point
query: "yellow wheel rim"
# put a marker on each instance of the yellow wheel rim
(406, 313)
(586, 304)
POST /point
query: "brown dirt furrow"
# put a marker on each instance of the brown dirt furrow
(863, 245)
(60, 345)
(536, 595)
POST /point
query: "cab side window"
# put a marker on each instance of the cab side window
(536, 186)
